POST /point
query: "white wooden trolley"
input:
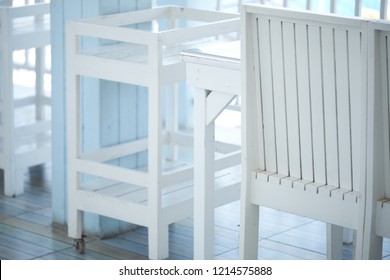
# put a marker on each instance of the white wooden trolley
(159, 192)
(24, 116)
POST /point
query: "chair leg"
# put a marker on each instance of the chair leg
(249, 232)
(348, 236)
(372, 247)
(334, 242)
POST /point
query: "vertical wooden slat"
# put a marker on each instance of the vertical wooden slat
(354, 54)
(291, 100)
(343, 107)
(279, 97)
(257, 88)
(304, 102)
(386, 89)
(267, 94)
(317, 107)
(330, 106)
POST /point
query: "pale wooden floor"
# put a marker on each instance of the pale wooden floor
(26, 232)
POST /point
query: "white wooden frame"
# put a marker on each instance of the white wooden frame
(309, 6)
(214, 72)
(378, 150)
(22, 27)
(311, 161)
(157, 197)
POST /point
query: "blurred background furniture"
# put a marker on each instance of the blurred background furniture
(25, 126)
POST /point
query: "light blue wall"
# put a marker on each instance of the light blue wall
(98, 120)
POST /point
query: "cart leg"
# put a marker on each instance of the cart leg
(13, 181)
(158, 242)
(75, 228)
(75, 223)
(80, 245)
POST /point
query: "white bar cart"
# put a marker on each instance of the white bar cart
(122, 48)
(24, 114)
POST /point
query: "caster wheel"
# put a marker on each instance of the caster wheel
(80, 245)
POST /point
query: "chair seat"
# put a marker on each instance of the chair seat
(309, 199)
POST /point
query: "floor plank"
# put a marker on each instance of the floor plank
(34, 250)
(43, 241)
(10, 253)
(27, 232)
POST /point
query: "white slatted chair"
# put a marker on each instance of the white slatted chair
(24, 136)
(378, 142)
(303, 121)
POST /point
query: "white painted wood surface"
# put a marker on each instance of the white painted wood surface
(214, 72)
(25, 138)
(148, 58)
(378, 141)
(321, 57)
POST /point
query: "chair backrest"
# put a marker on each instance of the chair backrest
(381, 86)
(378, 144)
(377, 165)
(308, 84)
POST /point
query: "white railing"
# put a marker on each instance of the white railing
(378, 9)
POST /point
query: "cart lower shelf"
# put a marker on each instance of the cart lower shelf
(129, 203)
